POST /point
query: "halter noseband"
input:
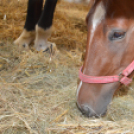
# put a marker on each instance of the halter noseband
(109, 79)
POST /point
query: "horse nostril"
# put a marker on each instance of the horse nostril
(87, 111)
(40, 45)
(24, 45)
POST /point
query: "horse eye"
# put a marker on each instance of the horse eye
(117, 35)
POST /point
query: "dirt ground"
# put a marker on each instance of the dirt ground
(37, 93)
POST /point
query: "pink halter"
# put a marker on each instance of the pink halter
(109, 79)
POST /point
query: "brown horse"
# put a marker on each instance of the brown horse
(110, 46)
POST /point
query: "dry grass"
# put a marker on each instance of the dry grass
(37, 95)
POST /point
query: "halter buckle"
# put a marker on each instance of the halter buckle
(125, 80)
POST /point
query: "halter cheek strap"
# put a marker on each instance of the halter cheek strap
(109, 79)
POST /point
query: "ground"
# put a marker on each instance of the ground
(37, 91)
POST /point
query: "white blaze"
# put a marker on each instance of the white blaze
(98, 15)
(78, 89)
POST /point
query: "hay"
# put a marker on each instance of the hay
(37, 95)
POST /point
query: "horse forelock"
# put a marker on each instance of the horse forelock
(116, 9)
(119, 9)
